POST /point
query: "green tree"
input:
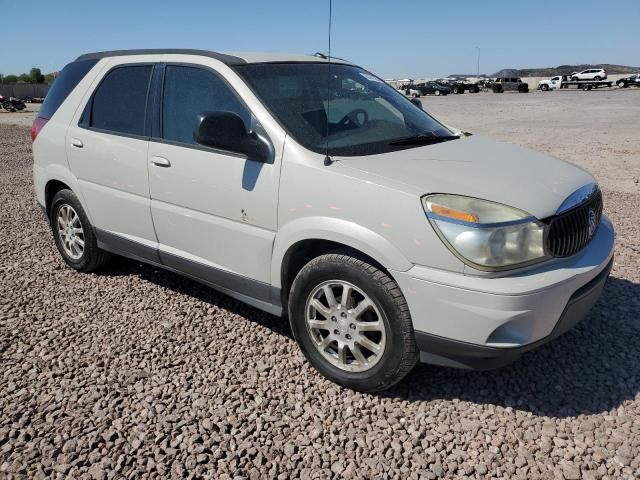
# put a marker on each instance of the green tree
(36, 75)
(10, 79)
(49, 78)
(1, 78)
(24, 78)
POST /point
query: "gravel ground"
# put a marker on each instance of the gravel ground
(135, 372)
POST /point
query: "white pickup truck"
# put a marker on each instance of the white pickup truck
(562, 81)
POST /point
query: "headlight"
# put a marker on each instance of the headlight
(486, 234)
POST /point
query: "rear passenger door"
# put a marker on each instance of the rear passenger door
(107, 151)
(215, 212)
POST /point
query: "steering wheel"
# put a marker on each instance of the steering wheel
(354, 117)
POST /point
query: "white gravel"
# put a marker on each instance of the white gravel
(136, 372)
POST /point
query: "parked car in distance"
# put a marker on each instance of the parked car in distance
(632, 81)
(382, 235)
(410, 91)
(510, 84)
(590, 74)
(431, 88)
(459, 86)
(485, 84)
(34, 99)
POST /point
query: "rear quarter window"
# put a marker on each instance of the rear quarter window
(63, 85)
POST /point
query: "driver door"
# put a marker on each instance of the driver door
(214, 211)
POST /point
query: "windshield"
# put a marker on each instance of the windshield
(365, 115)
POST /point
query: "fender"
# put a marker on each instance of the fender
(337, 230)
(55, 171)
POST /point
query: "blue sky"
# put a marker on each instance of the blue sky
(401, 38)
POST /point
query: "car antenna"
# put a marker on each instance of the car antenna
(327, 158)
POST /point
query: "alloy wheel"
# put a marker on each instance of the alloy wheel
(70, 231)
(345, 326)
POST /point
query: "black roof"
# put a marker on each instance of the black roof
(227, 59)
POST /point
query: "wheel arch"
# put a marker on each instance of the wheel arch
(52, 187)
(304, 239)
(55, 177)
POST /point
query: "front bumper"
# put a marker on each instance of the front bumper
(482, 322)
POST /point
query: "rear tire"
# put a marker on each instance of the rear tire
(436, 93)
(597, 78)
(74, 235)
(330, 335)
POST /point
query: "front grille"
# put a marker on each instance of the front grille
(572, 230)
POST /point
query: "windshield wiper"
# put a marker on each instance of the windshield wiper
(423, 139)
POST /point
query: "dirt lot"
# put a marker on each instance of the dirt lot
(137, 372)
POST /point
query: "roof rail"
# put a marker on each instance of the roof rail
(224, 58)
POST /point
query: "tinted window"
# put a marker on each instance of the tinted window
(119, 103)
(190, 91)
(69, 77)
(367, 118)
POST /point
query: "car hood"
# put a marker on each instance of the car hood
(476, 167)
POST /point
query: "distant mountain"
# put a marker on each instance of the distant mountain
(563, 70)
(466, 75)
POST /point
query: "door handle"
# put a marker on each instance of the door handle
(160, 162)
(76, 143)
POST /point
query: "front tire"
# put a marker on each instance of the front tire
(352, 322)
(544, 87)
(74, 235)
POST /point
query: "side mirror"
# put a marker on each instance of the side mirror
(226, 131)
(416, 102)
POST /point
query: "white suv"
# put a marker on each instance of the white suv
(595, 74)
(315, 191)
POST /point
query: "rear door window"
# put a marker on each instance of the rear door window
(119, 103)
(190, 91)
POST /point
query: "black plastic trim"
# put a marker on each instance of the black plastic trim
(126, 247)
(157, 86)
(218, 277)
(481, 357)
(259, 294)
(223, 57)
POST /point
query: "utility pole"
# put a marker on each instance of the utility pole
(478, 67)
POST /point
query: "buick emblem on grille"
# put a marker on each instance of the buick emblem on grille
(593, 222)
